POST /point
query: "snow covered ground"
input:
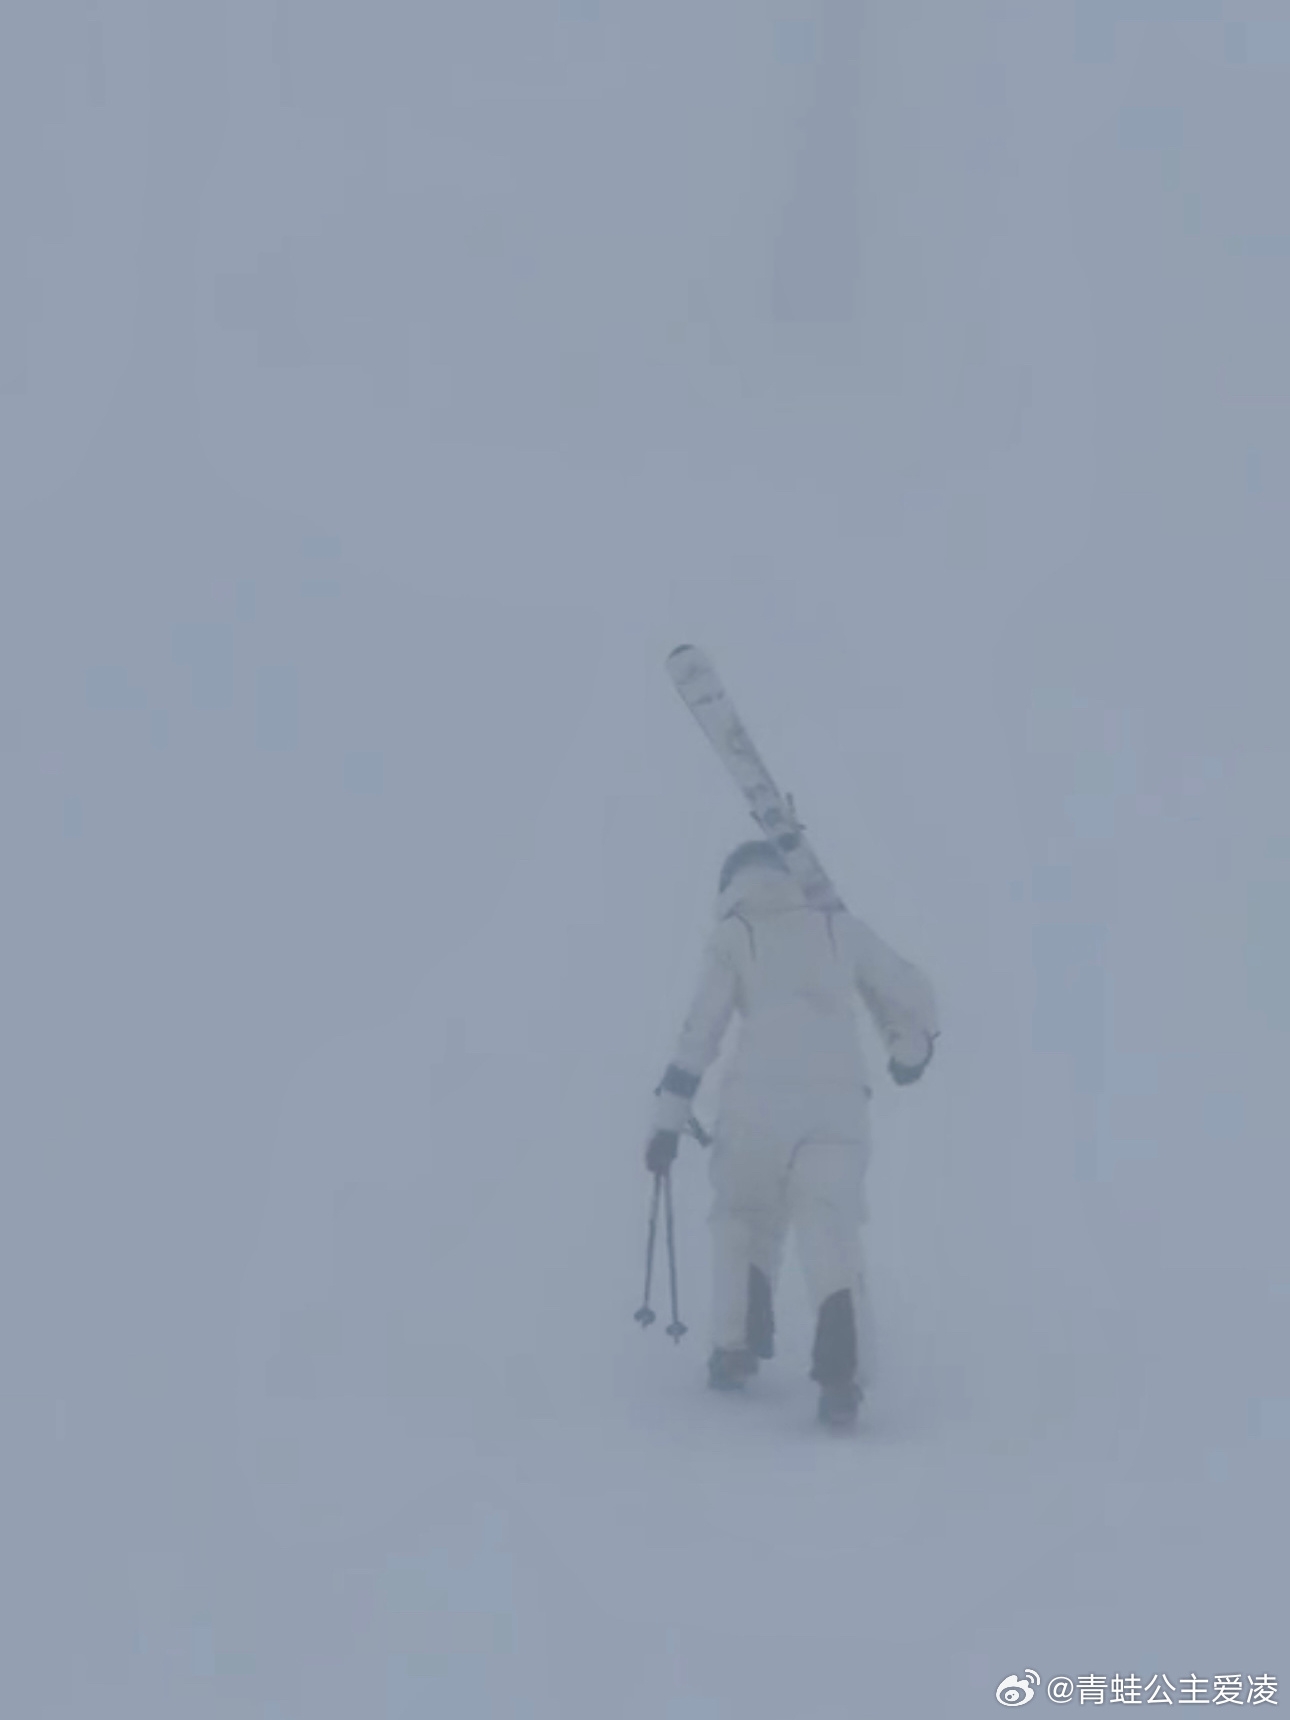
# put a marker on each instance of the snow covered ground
(383, 391)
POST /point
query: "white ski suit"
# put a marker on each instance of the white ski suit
(791, 1143)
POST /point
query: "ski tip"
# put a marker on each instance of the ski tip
(692, 674)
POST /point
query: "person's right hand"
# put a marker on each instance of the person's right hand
(905, 1074)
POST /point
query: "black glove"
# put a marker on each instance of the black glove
(661, 1151)
(905, 1074)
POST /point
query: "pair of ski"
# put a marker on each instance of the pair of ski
(700, 686)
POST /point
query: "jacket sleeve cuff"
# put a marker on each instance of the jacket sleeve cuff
(672, 1097)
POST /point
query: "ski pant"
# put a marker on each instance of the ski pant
(766, 1179)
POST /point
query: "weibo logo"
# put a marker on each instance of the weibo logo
(1016, 1691)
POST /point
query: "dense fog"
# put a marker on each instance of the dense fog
(385, 389)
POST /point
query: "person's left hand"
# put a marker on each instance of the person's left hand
(661, 1151)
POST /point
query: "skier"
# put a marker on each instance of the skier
(791, 1142)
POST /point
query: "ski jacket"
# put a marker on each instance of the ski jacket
(793, 975)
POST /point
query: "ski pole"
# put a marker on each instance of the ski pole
(645, 1314)
(676, 1331)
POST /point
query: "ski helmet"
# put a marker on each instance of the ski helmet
(750, 854)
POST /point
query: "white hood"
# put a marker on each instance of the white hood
(759, 890)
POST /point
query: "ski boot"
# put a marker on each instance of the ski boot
(840, 1404)
(834, 1361)
(730, 1370)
